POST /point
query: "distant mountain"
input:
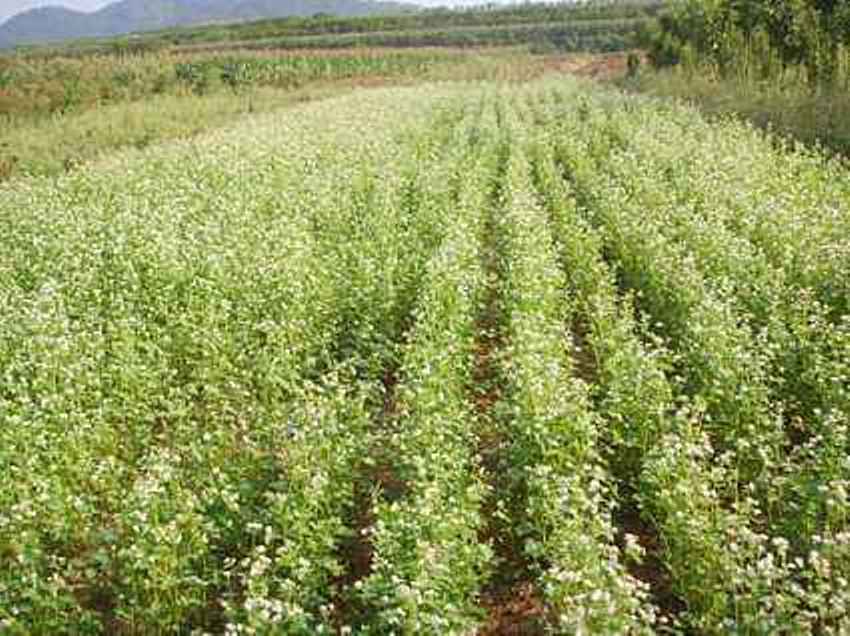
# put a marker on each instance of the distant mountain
(50, 24)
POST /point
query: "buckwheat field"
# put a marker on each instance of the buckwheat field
(446, 359)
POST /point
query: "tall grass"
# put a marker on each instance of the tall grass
(782, 103)
(32, 88)
(58, 113)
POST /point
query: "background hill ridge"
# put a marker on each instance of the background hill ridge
(56, 23)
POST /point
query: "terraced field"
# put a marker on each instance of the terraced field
(451, 359)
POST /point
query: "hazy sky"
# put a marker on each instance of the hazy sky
(8, 8)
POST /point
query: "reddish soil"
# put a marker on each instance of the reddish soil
(517, 611)
(581, 354)
(511, 604)
(651, 571)
(357, 553)
(602, 66)
(101, 601)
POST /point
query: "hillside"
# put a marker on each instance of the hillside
(65, 103)
(50, 24)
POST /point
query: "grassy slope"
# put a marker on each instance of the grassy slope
(784, 105)
(327, 25)
(63, 106)
(52, 145)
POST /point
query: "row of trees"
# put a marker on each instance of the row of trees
(760, 37)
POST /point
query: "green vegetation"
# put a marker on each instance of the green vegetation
(621, 17)
(586, 35)
(40, 87)
(428, 20)
(758, 39)
(54, 145)
(784, 64)
(783, 106)
(387, 362)
(481, 350)
(60, 106)
(59, 113)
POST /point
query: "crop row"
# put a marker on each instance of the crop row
(428, 562)
(555, 432)
(165, 444)
(726, 313)
(240, 375)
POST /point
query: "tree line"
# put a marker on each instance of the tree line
(755, 37)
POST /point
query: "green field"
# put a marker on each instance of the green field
(69, 103)
(456, 358)
(604, 23)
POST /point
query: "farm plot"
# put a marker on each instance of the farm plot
(437, 360)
